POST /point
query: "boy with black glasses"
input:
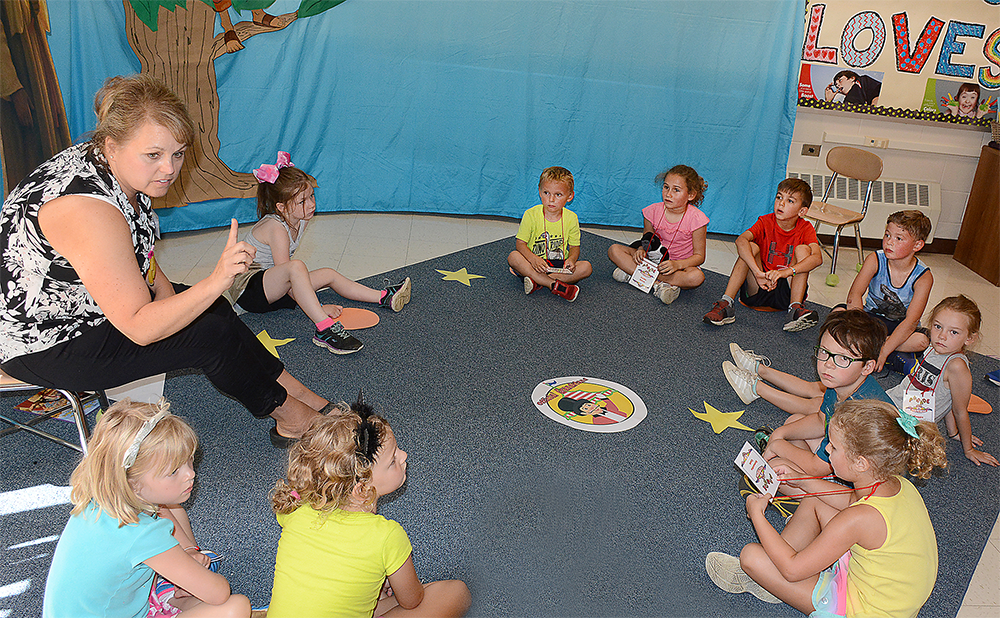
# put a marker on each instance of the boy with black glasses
(848, 350)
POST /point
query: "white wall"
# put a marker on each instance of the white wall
(917, 150)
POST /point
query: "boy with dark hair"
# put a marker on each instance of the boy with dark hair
(849, 344)
(775, 257)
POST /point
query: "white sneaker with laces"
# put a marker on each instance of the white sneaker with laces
(742, 381)
(746, 359)
(620, 275)
(666, 292)
(725, 572)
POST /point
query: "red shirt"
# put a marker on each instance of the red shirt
(778, 246)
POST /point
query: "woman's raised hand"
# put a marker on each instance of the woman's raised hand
(235, 259)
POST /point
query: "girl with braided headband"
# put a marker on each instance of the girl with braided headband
(127, 525)
(336, 555)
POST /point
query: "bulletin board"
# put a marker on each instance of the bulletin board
(919, 59)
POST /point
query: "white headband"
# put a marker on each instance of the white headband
(144, 431)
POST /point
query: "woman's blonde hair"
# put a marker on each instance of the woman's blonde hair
(123, 104)
(329, 460)
(870, 429)
(102, 478)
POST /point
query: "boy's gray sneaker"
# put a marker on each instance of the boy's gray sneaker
(800, 318)
(725, 572)
(722, 313)
(620, 275)
(666, 292)
(746, 359)
(337, 339)
(742, 381)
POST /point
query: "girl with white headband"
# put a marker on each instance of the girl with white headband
(127, 525)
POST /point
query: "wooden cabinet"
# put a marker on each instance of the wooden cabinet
(978, 245)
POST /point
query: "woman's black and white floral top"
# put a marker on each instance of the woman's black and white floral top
(43, 302)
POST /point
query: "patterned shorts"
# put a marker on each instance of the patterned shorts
(830, 594)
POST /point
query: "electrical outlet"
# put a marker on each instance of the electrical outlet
(877, 142)
(810, 150)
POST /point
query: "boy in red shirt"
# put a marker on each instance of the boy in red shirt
(775, 257)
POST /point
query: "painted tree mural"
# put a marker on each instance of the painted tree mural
(175, 41)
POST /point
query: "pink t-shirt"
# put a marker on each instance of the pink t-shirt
(677, 237)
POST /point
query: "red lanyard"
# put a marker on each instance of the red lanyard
(845, 490)
(663, 214)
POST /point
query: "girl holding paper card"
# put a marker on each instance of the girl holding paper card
(680, 226)
(875, 533)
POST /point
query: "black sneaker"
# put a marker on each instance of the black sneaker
(396, 295)
(337, 340)
(800, 318)
(761, 436)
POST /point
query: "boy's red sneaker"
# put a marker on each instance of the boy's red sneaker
(566, 290)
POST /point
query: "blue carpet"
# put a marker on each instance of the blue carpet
(539, 519)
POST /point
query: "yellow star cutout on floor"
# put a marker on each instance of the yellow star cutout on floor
(462, 276)
(720, 420)
(270, 343)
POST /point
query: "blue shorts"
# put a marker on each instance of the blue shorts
(829, 596)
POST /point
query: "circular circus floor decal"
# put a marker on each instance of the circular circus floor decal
(589, 404)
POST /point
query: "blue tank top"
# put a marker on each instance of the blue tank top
(884, 298)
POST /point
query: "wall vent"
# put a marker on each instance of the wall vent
(888, 196)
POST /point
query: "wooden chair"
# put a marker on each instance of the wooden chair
(852, 163)
(9, 384)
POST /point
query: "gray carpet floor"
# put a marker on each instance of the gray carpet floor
(538, 518)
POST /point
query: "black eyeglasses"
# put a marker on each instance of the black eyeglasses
(840, 360)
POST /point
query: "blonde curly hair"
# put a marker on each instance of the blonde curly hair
(870, 430)
(326, 464)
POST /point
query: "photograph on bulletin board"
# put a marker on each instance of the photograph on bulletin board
(826, 83)
(960, 99)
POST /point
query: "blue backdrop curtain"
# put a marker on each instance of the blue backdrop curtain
(456, 106)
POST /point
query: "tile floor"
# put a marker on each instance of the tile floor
(356, 245)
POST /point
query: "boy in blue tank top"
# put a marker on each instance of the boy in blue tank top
(898, 286)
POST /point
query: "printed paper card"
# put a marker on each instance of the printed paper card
(919, 404)
(757, 470)
(644, 276)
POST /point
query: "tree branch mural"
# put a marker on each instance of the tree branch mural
(175, 41)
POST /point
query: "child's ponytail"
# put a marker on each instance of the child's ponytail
(927, 451)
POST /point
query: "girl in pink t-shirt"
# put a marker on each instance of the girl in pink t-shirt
(676, 225)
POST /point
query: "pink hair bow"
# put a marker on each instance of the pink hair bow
(269, 173)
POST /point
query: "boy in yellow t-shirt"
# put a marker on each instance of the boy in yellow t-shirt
(547, 245)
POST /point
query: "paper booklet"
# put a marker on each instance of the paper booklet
(752, 463)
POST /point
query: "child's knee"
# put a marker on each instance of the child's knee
(238, 606)
(751, 557)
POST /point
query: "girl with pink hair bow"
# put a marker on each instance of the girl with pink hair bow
(285, 204)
